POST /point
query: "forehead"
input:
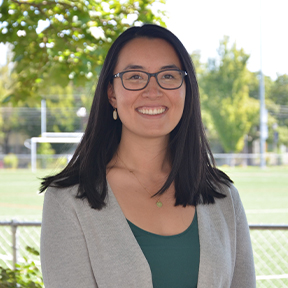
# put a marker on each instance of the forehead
(148, 53)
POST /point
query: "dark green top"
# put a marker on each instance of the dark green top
(173, 260)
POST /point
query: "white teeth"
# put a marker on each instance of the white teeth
(151, 111)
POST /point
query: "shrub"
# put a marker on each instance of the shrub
(10, 161)
(61, 162)
(45, 150)
(25, 275)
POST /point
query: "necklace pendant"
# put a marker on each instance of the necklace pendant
(159, 204)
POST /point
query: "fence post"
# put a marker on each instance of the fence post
(14, 242)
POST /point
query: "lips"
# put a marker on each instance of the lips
(151, 110)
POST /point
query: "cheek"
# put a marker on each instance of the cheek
(124, 103)
(124, 98)
(179, 105)
(180, 99)
(121, 96)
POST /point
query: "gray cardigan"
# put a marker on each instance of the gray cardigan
(84, 247)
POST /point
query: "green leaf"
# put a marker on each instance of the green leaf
(34, 62)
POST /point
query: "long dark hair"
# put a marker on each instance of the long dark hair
(193, 168)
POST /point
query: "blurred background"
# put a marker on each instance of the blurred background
(51, 53)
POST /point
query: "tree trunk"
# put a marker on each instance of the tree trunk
(6, 147)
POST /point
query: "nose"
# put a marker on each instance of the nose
(152, 89)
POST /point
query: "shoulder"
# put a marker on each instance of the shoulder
(68, 201)
(231, 204)
(229, 207)
(61, 194)
(64, 199)
(232, 192)
(233, 195)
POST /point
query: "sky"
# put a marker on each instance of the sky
(201, 24)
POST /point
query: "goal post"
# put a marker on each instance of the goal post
(52, 137)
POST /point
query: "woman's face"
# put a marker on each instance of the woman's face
(153, 111)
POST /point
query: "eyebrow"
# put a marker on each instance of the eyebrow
(172, 66)
(131, 66)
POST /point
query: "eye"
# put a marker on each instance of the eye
(134, 76)
(168, 76)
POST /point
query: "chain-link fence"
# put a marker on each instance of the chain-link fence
(226, 159)
(253, 159)
(270, 246)
(14, 238)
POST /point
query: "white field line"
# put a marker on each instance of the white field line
(268, 277)
(269, 211)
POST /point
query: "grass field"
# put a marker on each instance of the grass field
(19, 197)
(264, 193)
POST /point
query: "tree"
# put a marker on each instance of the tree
(279, 91)
(59, 41)
(61, 108)
(8, 124)
(62, 104)
(253, 84)
(8, 116)
(212, 135)
(279, 108)
(226, 96)
(276, 101)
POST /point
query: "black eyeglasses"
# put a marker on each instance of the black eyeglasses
(135, 80)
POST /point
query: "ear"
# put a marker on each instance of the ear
(111, 95)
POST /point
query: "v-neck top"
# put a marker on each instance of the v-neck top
(173, 260)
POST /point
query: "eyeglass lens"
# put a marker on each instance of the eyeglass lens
(169, 79)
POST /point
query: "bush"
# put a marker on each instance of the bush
(25, 275)
(45, 150)
(61, 162)
(10, 161)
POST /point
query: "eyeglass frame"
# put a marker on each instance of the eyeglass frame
(120, 74)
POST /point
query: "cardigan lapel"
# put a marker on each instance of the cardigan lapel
(216, 244)
(116, 258)
(205, 265)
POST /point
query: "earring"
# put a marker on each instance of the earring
(115, 116)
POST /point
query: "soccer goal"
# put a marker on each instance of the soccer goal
(52, 137)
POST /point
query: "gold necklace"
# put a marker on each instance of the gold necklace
(159, 204)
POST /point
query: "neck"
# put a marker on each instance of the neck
(145, 156)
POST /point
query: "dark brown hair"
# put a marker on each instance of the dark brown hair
(193, 169)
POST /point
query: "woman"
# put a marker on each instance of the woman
(141, 203)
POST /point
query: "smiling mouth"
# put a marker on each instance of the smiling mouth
(151, 111)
